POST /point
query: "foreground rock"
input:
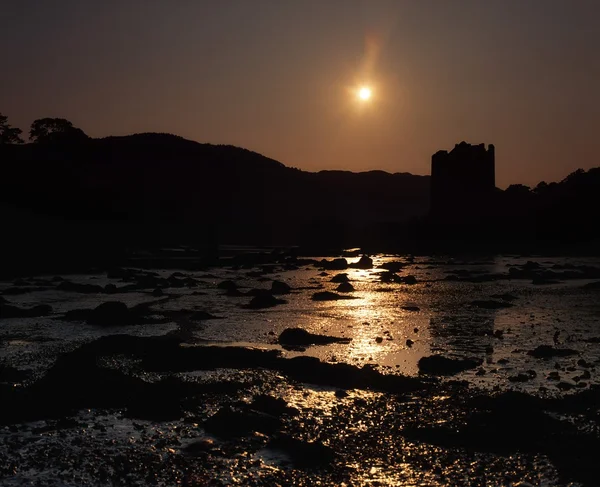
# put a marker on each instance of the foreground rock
(440, 365)
(301, 337)
(334, 265)
(345, 287)
(303, 454)
(115, 313)
(548, 351)
(490, 304)
(264, 300)
(231, 423)
(329, 296)
(10, 311)
(279, 287)
(365, 262)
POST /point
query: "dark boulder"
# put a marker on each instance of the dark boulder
(345, 287)
(203, 315)
(232, 423)
(275, 406)
(490, 304)
(279, 287)
(342, 277)
(329, 296)
(74, 287)
(10, 311)
(548, 351)
(303, 454)
(264, 300)
(365, 262)
(334, 265)
(301, 337)
(439, 365)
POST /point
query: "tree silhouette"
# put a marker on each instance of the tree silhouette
(8, 134)
(54, 130)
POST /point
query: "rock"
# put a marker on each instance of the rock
(341, 394)
(410, 279)
(523, 376)
(203, 315)
(547, 351)
(439, 365)
(490, 304)
(303, 454)
(111, 313)
(592, 285)
(278, 287)
(264, 300)
(411, 308)
(275, 406)
(345, 287)
(505, 297)
(301, 337)
(74, 287)
(409, 343)
(393, 267)
(583, 363)
(227, 285)
(334, 265)
(365, 262)
(543, 281)
(565, 386)
(110, 289)
(379, 339)
(342, 277)
(10, 311)
(12, 375)
(329, 296)
(158, 292)
(230, 423)
(389, 277)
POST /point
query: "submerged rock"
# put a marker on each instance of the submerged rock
(490, 304)
(231, 423)
(264, 300)
(80, 288)
(548, 351)
(365, 262)
(203, 315)
(303, 454)
(301, 337)
(334, 265)
(329, 296)
(275, 406)
(411, 308)
(10, 311)
(439, 365)
(279, 287)
(342, 277)
(345, 287)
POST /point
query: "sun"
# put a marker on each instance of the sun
(364, 93)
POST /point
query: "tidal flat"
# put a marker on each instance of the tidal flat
(269, 369)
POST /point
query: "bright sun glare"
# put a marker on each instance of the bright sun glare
(364, 93)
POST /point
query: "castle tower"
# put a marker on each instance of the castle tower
(463, 182)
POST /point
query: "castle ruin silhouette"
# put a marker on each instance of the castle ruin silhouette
(463, 182)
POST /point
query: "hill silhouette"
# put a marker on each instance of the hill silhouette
(152, 181)
(77, 195)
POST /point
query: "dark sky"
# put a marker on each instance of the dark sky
(280, 77)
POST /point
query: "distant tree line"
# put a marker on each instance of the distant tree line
(43, 130)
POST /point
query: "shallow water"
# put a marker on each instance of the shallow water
(441, 320)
